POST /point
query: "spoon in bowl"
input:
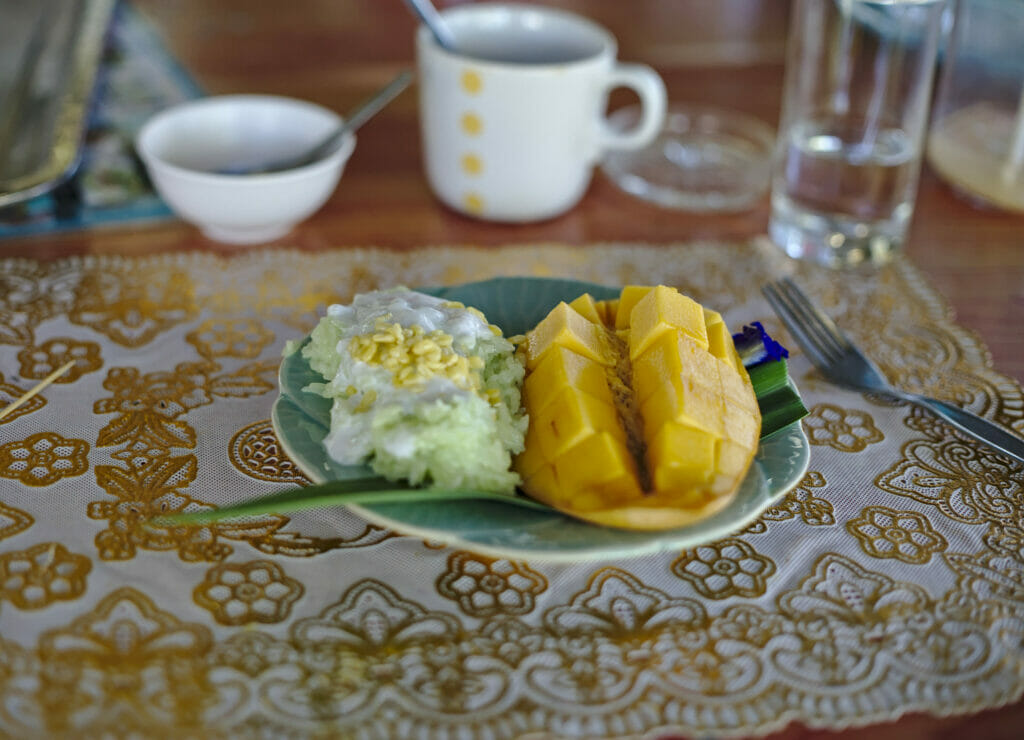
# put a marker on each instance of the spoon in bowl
(433, 20)
(356, 118)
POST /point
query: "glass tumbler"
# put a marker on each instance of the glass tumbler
(855, 105)
(976, 141)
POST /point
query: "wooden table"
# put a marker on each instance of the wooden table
(728, 53)
(336, 53)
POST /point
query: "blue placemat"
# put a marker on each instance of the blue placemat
(138, 77)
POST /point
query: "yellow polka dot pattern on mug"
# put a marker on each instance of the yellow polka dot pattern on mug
(470, 162)
(471, 82)
(471, 124)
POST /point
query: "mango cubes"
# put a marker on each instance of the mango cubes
(641, 413)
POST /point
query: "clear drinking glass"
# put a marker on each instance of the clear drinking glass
(855, 104)
(976, 142)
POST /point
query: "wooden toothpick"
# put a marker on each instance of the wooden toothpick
(36, 388)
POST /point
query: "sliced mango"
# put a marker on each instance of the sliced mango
(608, 310)
(544, 487)
(570, 418)
(720, 342)
(562, 368)
(586, 307)
(641, 413)
(670, 356)
(564, 327)
(628, 298)
(664, 310)
(658, 510)
(613, 480)
(731, 458)
(740, 425)
(683, 457)
(736, 385)
(683, 400)
(534, 455)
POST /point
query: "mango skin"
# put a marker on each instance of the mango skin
(699, 423)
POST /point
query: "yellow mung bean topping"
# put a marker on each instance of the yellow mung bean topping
(414, 356)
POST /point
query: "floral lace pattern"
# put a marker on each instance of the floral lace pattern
(10, 393)
(891, 579)
(803, 503)
(132, 308)
(34, 578)
(729, 567)
(43, 459)
(485, 587)
(13, 520)
(251, 592)
(230, 338)
(255, 451)
(904, 535)
(842, 429)
(38, 362)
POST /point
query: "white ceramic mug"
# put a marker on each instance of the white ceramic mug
(514, 122)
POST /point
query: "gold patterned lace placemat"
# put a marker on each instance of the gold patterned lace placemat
(891, 579)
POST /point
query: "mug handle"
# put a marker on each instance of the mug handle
(647, 84)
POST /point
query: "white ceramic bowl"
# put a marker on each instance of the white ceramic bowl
(184, 148)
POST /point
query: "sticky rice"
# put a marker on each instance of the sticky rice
(423, 390)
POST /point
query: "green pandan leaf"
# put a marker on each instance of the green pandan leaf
(777, 397)
(765, 361)
(339, 493)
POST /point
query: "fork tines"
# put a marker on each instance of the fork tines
(814, 331)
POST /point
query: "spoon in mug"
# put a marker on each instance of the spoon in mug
(433, 20)
(356, 118)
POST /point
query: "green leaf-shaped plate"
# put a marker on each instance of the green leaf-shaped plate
(516, 305)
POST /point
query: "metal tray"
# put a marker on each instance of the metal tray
(50, 54)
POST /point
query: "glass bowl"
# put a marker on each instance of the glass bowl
(705, 159)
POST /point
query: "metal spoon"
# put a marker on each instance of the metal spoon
(356, 118)
(433, 20)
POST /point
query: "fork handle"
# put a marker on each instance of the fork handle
(982, 429)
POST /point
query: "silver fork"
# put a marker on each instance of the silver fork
(842, 363)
